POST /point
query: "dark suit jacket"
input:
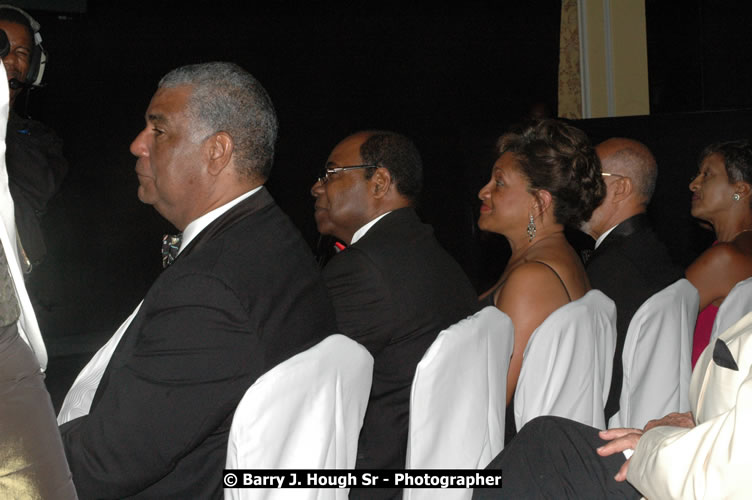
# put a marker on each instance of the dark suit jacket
(243, 296)
(393, 291)
(629, 266)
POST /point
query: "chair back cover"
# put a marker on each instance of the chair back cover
(733, 308)
(458, 399)
(306, 413)
(656, 359)
(567, 364)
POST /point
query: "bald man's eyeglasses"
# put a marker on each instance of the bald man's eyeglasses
(324, 176)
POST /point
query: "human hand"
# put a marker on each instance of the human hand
(673, 419)
(619, 440)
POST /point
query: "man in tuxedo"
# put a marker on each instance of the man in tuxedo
(629, 263)
(242, 294)
(704, 453)
(394, 288)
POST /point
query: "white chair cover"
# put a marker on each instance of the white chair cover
(735, 306)
(458, 399)
(306, 413)
(657, 357)
(567, 364)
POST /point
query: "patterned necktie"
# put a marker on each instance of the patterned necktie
(170, 247)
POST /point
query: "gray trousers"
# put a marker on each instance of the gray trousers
(32, 461)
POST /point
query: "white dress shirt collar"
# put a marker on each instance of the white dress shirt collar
(603, 237)
(363, 230)
(198, 225)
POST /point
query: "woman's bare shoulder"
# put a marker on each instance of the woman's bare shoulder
(532, 278)
(723, 256)
(717, 270)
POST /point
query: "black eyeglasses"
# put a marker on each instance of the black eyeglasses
(324, 176)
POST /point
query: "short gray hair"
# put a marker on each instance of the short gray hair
(226, 98)
(636, 162)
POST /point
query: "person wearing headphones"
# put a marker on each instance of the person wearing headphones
(34, 155)
(32, 463)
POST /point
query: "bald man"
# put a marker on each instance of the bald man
(629, 263)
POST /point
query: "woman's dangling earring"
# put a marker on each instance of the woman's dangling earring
(531, 228)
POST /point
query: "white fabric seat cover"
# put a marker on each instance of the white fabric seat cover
(733, 308)
(458, 399)
(567, 364)
(306, 413)
(657, 357)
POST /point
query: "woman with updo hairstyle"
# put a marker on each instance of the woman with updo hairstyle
(547, 176)
(721, 197)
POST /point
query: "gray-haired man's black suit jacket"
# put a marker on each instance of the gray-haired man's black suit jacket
(243, 296)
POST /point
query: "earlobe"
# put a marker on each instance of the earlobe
(742, 189)
(623, 188)
(542, 202)
(381, 181)
(220, 152)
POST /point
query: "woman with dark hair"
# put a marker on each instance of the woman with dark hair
(547, 176)
(721, 197)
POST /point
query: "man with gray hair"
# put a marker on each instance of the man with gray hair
(629, 263)
(149, 416)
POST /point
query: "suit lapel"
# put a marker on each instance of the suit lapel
(723, 357)
(245, 208)
(396, 219)
(624, 229)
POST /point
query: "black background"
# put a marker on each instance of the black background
(452, 77)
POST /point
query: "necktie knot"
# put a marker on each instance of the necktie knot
(170, 247)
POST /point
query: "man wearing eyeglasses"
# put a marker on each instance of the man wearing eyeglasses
(629, 263)
(394, 288)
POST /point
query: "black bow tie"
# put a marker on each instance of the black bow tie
(170, 247)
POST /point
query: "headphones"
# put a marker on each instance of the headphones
(38, 59)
